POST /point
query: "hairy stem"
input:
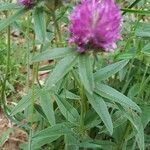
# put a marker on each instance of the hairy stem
(83, 104)
(28, 52)
(56, 27)
(7, 73)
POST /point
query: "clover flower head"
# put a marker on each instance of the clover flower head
(95, 24)
(26, 3)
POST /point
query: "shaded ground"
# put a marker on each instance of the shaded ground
(14, 137)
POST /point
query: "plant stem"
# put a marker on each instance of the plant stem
(8, 53)
(127, 129)
(37, 68)
(28, 52)
(7, 74)
(83, 109)
(127, 81)
(83, 103)
(30, 139)
(56, 27)
(143, 80)
(31, 107)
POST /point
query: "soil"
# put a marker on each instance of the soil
(15, 138)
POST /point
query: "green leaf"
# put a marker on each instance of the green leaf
(145, 114)
(61, 69)
(22, 104)
(134, 90)
(123, 73)
(140, 12)
(39, 109)
(100, 107)
(25, 101)
(51, 132)
(113, 95)
(71, 142)
(118, 119)
(69, 95)
(143, 30)
(106, 144)
(92, 119)
(126, 55)
(8, 6)
(89, 145)
(11, 19)
(37, 143)
(86, 72)
(52, 54)
(4, 137)
(110, 70)
(47, 105)
(68, 111)
(39, 24)
(146, 49)
(137, 123)
(131, 5)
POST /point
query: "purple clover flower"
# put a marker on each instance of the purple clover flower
(26, 3)
(95, 24)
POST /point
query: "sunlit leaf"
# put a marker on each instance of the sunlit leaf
(69, 112)
(86, 72)
(109, 70)
(52, 54)
(113, 95)
(61, 69)
(6, 22)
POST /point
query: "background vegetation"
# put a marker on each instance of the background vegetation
(64, 100)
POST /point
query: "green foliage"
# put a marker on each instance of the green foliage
(47, 105)
(100, 107)
(86, 73)
(115, 96)
(11, 19)
(71, 100)
(39, 24)
(68, 111)
(61, 69)
(109, 70)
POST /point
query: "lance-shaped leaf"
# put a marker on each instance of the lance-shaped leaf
(6, 22)
(86, 72)
(51, 133)
(61, 69)
(100, 107)
(137, 123)
(109, 70)
(115, 96)
(39, 24)
(25, 101)
(47, 105)
(9, 6)
(52, 54)
(68, 111)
